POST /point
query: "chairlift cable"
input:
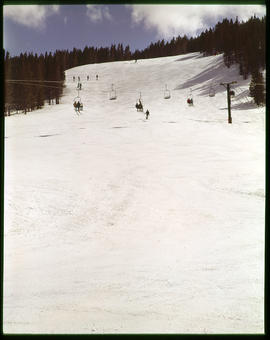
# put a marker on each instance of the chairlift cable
(34, 80)
(29, 84)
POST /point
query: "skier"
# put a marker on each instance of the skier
(78, 106)
(97, 77)
(140, 105)
(147, 113)
(79, 78)
(75, 106)
(87, 77)
(73, 78)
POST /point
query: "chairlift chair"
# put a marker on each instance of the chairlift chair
(78, 99)
(113, 94)
(167, 94)
(212, 92)
(190, 98)
(139, 104)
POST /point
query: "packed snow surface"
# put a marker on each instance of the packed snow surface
(118, 224)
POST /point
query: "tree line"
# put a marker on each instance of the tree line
(31, 80)
(42, 77)
(240, 42)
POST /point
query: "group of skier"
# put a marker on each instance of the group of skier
(139, 105)
(78, 106)
(79, 79)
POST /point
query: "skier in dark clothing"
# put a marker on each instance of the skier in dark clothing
(78, 106)
(147, 113)
(97, 77)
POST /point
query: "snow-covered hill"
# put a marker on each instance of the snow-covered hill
(118, 224)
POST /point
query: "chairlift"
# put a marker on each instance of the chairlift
(78, 100)
(190, 98)
(113, 94)
(167, 94)
(139, 100)
(212, 92)
(139, 104)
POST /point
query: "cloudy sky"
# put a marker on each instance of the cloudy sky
(40, 28)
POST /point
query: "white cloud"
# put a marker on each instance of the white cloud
(97, 13)
(173, 20)
(30, 15)
(107, 13)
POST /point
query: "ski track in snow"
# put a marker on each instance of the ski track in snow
(116, 224)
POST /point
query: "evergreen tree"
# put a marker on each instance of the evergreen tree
(256, 88)
(9, 87)
(40, 96)
(127, 53)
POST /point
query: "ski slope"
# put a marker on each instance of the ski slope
(118, 224)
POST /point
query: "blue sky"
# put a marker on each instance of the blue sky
(41, 28)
